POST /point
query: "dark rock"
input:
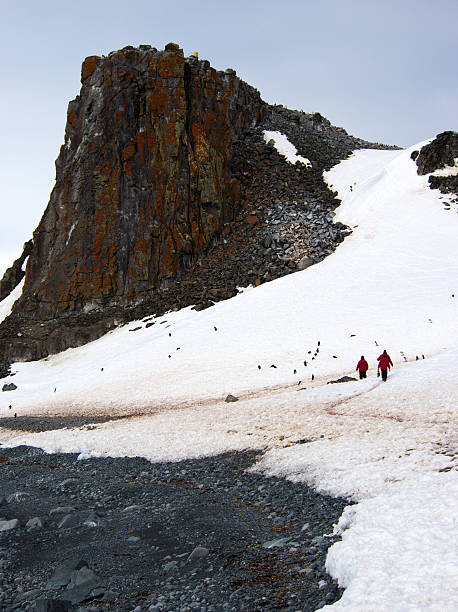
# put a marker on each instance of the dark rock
(84, 584)
(343, 379)
(34, 523)
(18, 497)
(64, 572)
(304, 263)
(231, 398)
(9, 387)
(446, 184)
(198, 553)
(51, 605)
(439, 153)
(5, 369)
(69, 521)
(9, 525)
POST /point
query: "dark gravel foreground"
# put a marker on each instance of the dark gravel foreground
(127, 534)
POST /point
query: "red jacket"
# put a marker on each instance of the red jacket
(362, 366)
(384, 361)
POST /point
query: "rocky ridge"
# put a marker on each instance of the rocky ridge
(167, 196)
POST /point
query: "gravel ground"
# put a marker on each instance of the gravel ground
(37, 424)
(127, 534)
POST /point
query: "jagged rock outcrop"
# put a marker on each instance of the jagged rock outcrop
(143, 184)
(439, 157)
(439, 153)
(167, 195)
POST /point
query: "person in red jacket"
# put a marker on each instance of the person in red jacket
(362, 366)
(384, 364)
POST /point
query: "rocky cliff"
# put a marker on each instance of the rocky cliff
(167, 195)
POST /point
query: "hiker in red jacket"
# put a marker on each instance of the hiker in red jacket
(362, 366)
(384, 364)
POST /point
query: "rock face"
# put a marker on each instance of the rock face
(441, 152)
(439, 157)
(143, 185)
(167, 195)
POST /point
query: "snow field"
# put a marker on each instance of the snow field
(390, 285)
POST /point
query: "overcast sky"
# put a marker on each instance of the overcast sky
(385, 70)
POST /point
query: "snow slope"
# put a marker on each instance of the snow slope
(391, 284)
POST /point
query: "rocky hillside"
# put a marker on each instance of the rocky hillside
(167, 195)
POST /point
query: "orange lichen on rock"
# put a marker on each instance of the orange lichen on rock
(71, 118)
(141, 147)
(88, 67)
(143, 183)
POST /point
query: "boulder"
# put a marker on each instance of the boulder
(231, 398)
(439, 153)
(343, 379)
(9, 387)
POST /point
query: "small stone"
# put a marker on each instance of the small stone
(63, 573)
(342, 379)
(9, 525)
(20, 496)
(67, 482)
(93, 520)
(133, 508)
(231, 398)
(170, 566)
(109, 596)
(252, 220)
(304, 263)
(69, 521)
(34, 523)
(81, 576)
(198, 553)
(62, 510)
(9, 387)
(276, 543)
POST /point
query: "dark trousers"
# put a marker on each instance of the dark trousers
(384, 374)
(362, 374)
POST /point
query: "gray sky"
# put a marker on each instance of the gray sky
(385, 70)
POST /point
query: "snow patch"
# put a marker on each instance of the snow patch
(6, 305)
(447, 171)
(286, 148)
